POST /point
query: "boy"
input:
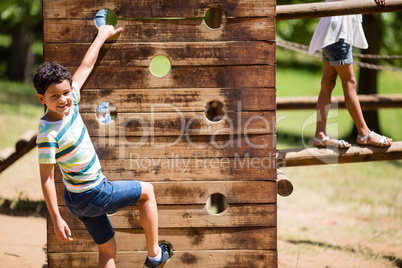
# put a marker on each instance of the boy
(63, 139)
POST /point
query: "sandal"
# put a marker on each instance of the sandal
(382, 143)
(323, 143)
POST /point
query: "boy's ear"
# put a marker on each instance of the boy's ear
(40, 98)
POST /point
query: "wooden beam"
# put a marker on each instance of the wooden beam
(332, 156)
(26, 143)
(326, 9)
(367, 102)
(284, 187)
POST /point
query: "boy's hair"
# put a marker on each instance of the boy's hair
(49, 73)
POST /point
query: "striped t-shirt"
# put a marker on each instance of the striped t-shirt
(67, 143)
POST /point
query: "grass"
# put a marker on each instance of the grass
(305, 81)
(363, 199)
(19, 111)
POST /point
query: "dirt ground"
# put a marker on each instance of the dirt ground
(23, 244)
(310, 234)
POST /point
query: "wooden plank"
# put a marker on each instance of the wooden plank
(156, 8)
(201, 259)
(193, 192)
(354, 154)
(262, 76)
(180, 54)
(185, 100)
(334, 8)
(190, 216)
(181, 123)
(181, 238)
(9, 157)
(367, 102)
(185, 146)
(196, 168)
(84, 31)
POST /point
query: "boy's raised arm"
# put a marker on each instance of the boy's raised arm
(89, 60)
(61, 228)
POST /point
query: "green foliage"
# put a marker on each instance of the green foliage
(20, 11)
(301, 31)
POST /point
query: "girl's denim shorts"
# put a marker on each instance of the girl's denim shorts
(92, 206)
(339, 53)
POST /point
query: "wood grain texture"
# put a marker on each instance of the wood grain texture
(156, 8)
(179, 54)
(198, 192)
(104, 77)
(195, 30)
(231, 146)
(190, 216)
(195, 168)
(181, 123)
(183, 100)
(161, 134)
(190, 239)
(201, 259)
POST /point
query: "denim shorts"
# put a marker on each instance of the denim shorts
(339, 53)
(92, 206)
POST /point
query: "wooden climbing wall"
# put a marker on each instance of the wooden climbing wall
(162, 134)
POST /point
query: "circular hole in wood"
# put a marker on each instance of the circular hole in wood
(217, 203)
(105, 17)
(215, 111)
(106, 112)
(160, 65)
(215, 18)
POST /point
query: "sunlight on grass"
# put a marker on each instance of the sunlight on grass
(19, 111)
(305, 82)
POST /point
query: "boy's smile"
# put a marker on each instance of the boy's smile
(58, 98)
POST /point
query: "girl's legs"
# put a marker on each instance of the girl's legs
(351, 101)
(149, 218)
(328, 82)
(348, 79)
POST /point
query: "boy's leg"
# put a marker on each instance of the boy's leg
(107, 254)
(149, 218)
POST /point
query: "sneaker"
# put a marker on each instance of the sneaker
(167, 253)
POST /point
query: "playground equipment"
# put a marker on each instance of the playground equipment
(24, 144)
(203, 132)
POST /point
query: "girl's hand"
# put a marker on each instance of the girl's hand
(380, 2)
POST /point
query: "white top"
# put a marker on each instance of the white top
(330, 29)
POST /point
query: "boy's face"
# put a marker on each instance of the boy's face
(58, 99)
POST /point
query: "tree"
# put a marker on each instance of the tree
(368, 77)
(20, 18)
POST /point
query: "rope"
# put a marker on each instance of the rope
(304, 49)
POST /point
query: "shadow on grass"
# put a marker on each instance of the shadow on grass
(292, 140)
(21, 207)
(366, 252)
(12, 97)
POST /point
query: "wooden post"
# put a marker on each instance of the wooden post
(326, 9)
(162, 133)
(285, 186)
(25, 144)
